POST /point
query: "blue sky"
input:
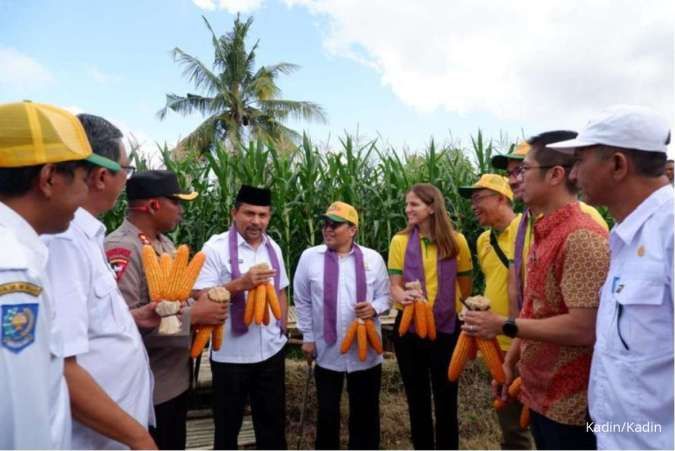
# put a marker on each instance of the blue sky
(403, 70)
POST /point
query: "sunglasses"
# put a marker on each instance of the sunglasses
(328, 224)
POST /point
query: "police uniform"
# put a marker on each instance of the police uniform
(34, 405)
(169, 354)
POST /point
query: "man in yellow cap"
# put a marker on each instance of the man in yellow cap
(155, 208)
(42, 183)
(335, 284)
(491, 202)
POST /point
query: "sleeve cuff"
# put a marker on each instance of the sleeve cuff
(395, 272)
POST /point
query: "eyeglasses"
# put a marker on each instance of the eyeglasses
(515, 172)
(475, 199)
(128, 170)
(332, 224)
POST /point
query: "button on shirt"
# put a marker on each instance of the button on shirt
(632, 368)
(34, 402)
(260, 342)
(308, 298)
(96, 324)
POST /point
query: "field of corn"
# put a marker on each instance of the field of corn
(305, 180)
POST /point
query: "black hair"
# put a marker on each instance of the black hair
(550, 157)
(647, 164)
(15, 182)
(103, 136)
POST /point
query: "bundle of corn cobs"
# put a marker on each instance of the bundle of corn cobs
(203, 333)
(170, 279)
(422, 312)
(365, 333)
(467, 347)
(260, 301)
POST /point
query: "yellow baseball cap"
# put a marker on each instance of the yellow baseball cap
(493, 182)
(519, 153)
(34, 133)
(342, 212)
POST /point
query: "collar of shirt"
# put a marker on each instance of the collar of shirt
(323, 249)
(161, 239)
(25, 234)
(89, 224)
(627, 228)
(241, 242)
(544, 226)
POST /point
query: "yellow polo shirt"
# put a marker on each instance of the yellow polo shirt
(529, 235)
(397, 248)
(496, 274)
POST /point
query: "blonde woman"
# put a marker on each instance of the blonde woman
(430, 251)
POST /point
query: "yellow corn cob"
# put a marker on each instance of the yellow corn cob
(260, 303)
(189, 277)
(492, 358)
(165, 262)
(217, 337)
(373, 337)
(514, 388)
(250, 307)
(152, 272)
(273, 300)
(362, 340)
(177, 269)
(460, 356)
(202, 336)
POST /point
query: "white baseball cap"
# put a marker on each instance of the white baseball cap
(625, 126)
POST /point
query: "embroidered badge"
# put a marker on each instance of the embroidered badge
(641, 251)
(144, 239)
(118, 257)
(20, 287)
(18, 326)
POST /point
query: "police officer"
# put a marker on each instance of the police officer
(42, 182)
(154, 209)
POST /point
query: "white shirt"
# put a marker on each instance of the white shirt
(34, 402)
(260, 342)
(308, 297)
(633, 383)
(96, 324)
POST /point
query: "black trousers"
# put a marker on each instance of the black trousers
(171, 419)
(264, 384)
(363, 388)
(424, 369)
(549, 434)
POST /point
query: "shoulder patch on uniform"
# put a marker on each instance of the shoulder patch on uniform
(18, 326)
(118, 257)
(20, 287)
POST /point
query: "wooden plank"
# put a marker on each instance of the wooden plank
(200, 433)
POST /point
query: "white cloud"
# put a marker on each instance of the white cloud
(231, 6)
(101, 77)
(531, 61)
(19, 71)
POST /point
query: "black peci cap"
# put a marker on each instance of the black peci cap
(156, 183)
(254, 196)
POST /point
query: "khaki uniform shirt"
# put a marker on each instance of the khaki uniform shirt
(169, 354)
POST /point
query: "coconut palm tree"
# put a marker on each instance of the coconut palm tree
(239, 102)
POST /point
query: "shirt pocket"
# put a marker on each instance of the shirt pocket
(103, 315)
(642, 324)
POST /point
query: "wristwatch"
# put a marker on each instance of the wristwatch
(509, 327)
